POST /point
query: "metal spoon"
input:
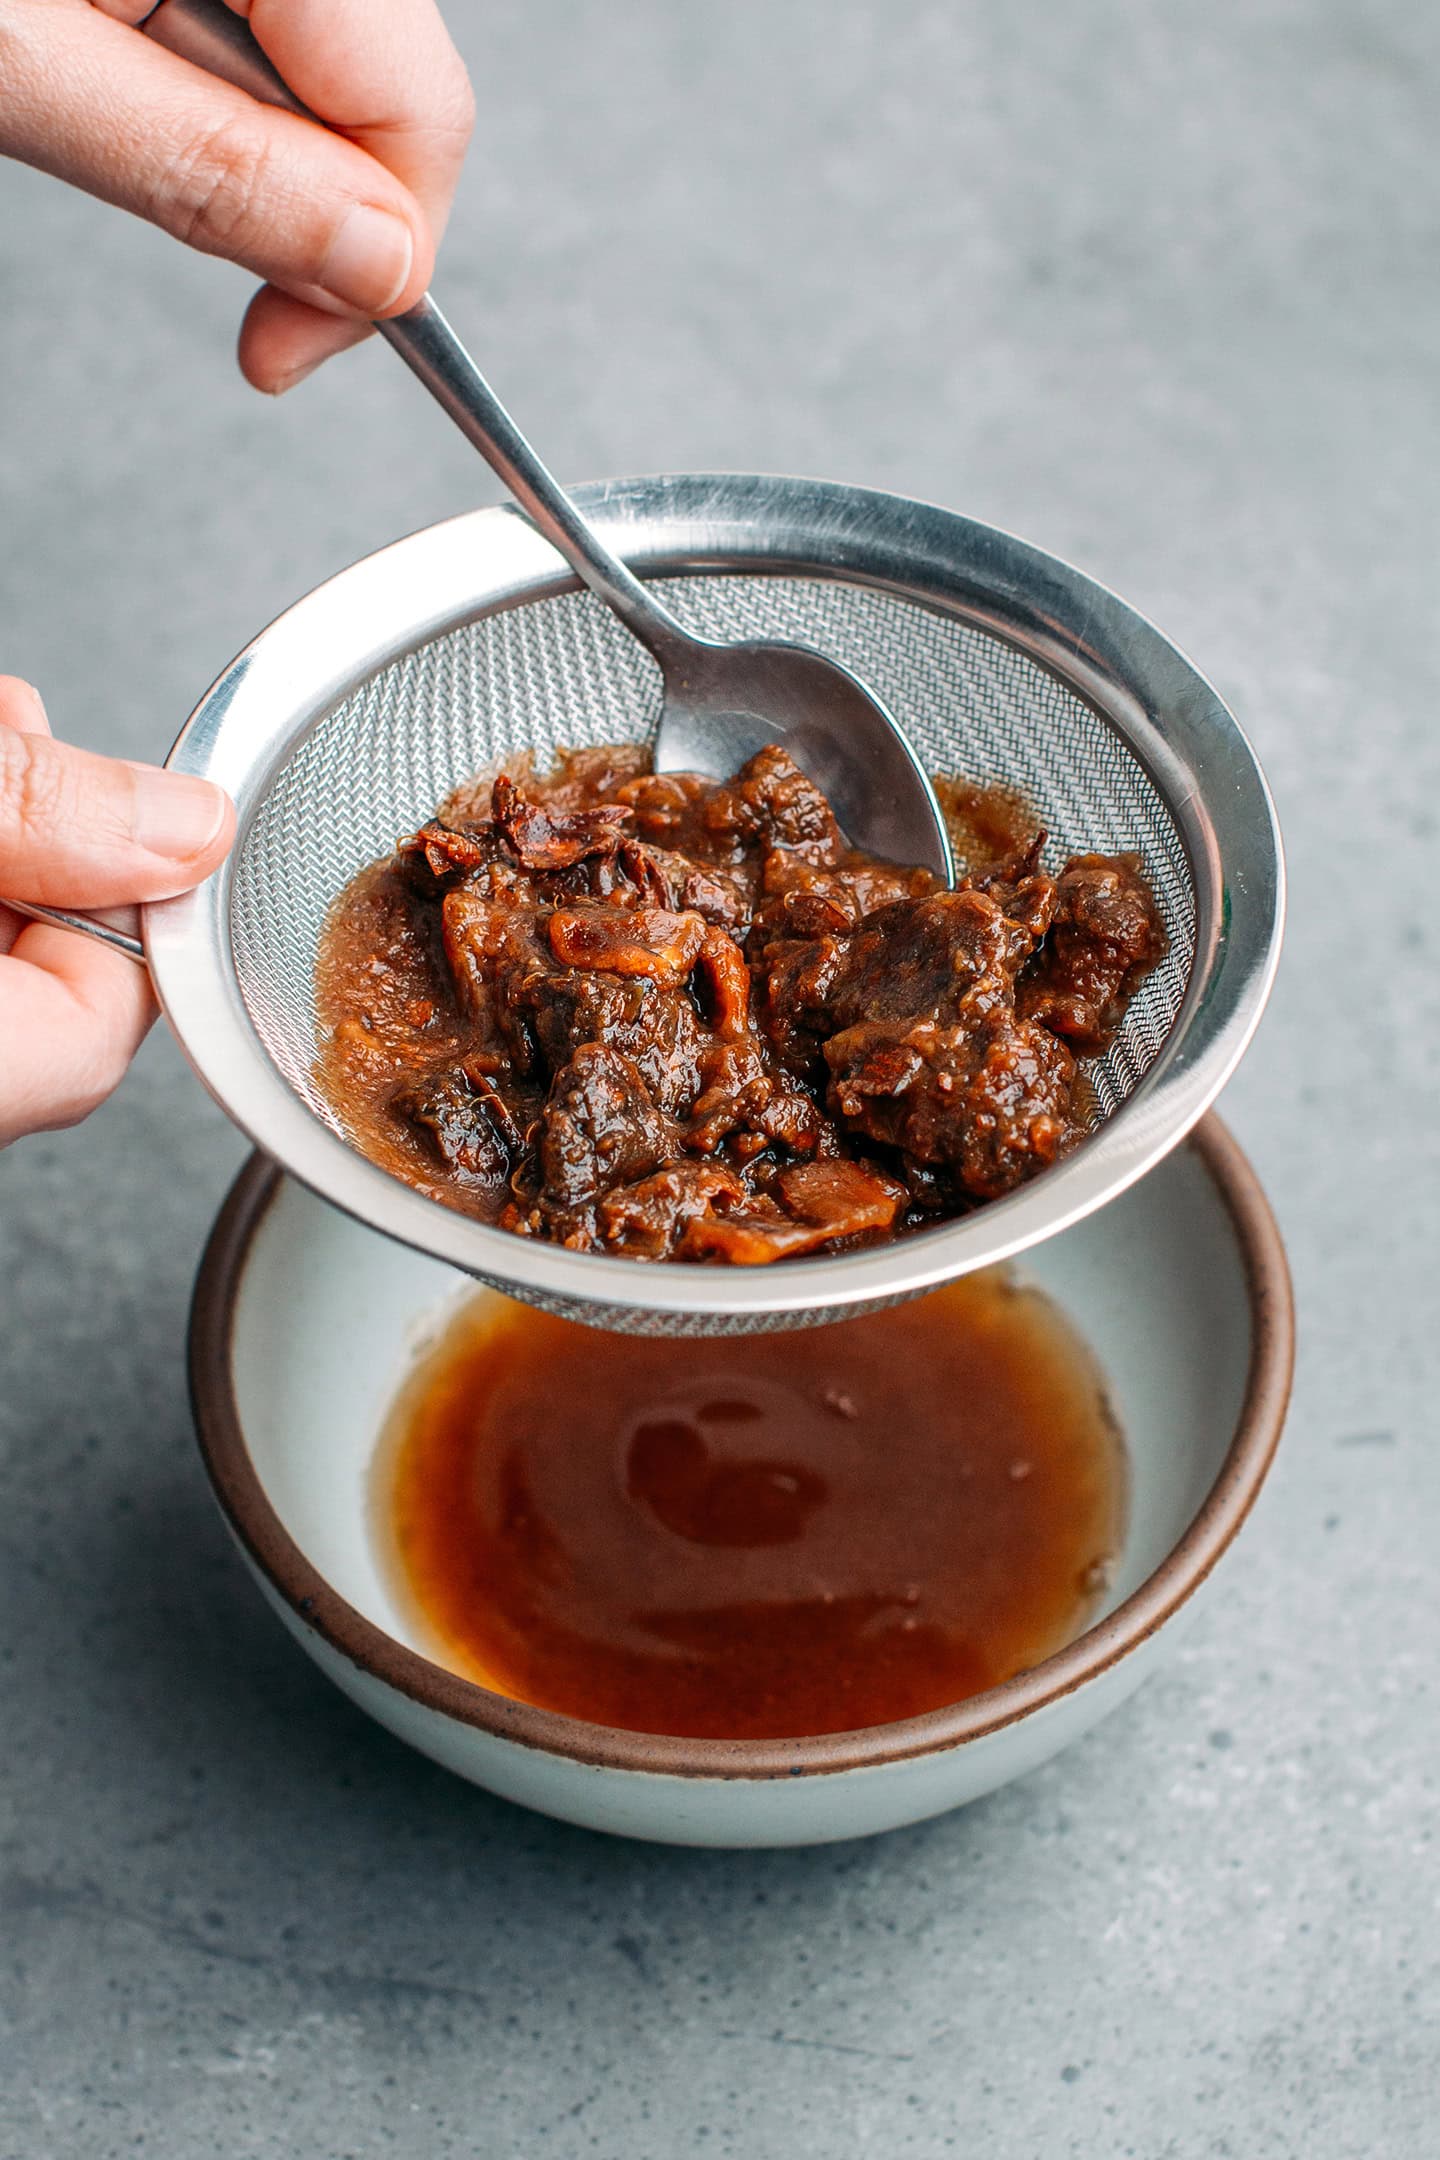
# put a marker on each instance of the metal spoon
(722, 702)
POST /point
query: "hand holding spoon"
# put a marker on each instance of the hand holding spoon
(722, 701)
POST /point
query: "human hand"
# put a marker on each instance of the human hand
(342, 226)
(80, 831)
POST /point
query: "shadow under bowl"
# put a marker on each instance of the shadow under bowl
(305, 1323)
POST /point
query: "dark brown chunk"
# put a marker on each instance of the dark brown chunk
(463, 1125)
(771, 800)
(991, 1102)
(492, 945)
(1105, 938)
(599, 1128)
(438, 854)
(545, 839)
(946, 959)
(725, 897)
(928, 958)
(558, 1012)
(915, 1010)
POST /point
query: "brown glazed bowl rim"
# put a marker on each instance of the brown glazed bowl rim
(320, 1608)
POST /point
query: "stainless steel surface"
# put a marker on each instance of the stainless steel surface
(365, 703)
(722, 700)
(119, 928)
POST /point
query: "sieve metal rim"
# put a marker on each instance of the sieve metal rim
(342, 633)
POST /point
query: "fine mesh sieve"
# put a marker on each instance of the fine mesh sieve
(352, 716)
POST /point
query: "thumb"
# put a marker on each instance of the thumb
(77, 830)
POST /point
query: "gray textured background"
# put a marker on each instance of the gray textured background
(1156, 288)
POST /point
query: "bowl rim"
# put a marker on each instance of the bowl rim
(320, 1608)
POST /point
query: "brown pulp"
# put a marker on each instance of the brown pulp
(671, 1018)
(754, 1538)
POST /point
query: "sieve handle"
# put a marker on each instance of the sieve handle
(211, 36)
(119, 927)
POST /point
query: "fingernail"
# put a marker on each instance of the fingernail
(175, 814)
(369, 260)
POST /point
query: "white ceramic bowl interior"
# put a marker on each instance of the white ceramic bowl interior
(306, 1322)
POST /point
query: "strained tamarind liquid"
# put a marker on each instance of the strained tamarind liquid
(754, 1538)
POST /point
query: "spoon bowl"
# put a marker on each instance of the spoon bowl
(725, 702)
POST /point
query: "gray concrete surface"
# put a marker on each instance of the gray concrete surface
(1155, 287)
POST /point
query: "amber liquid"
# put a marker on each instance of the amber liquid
(761, 1537)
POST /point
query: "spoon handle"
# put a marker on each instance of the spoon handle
(431, 350)
(210, 36)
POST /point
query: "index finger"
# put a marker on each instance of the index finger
(387, 77)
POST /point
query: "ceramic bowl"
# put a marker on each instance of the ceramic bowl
(305, 1322)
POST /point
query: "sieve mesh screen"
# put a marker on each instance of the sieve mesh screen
(556, 672)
